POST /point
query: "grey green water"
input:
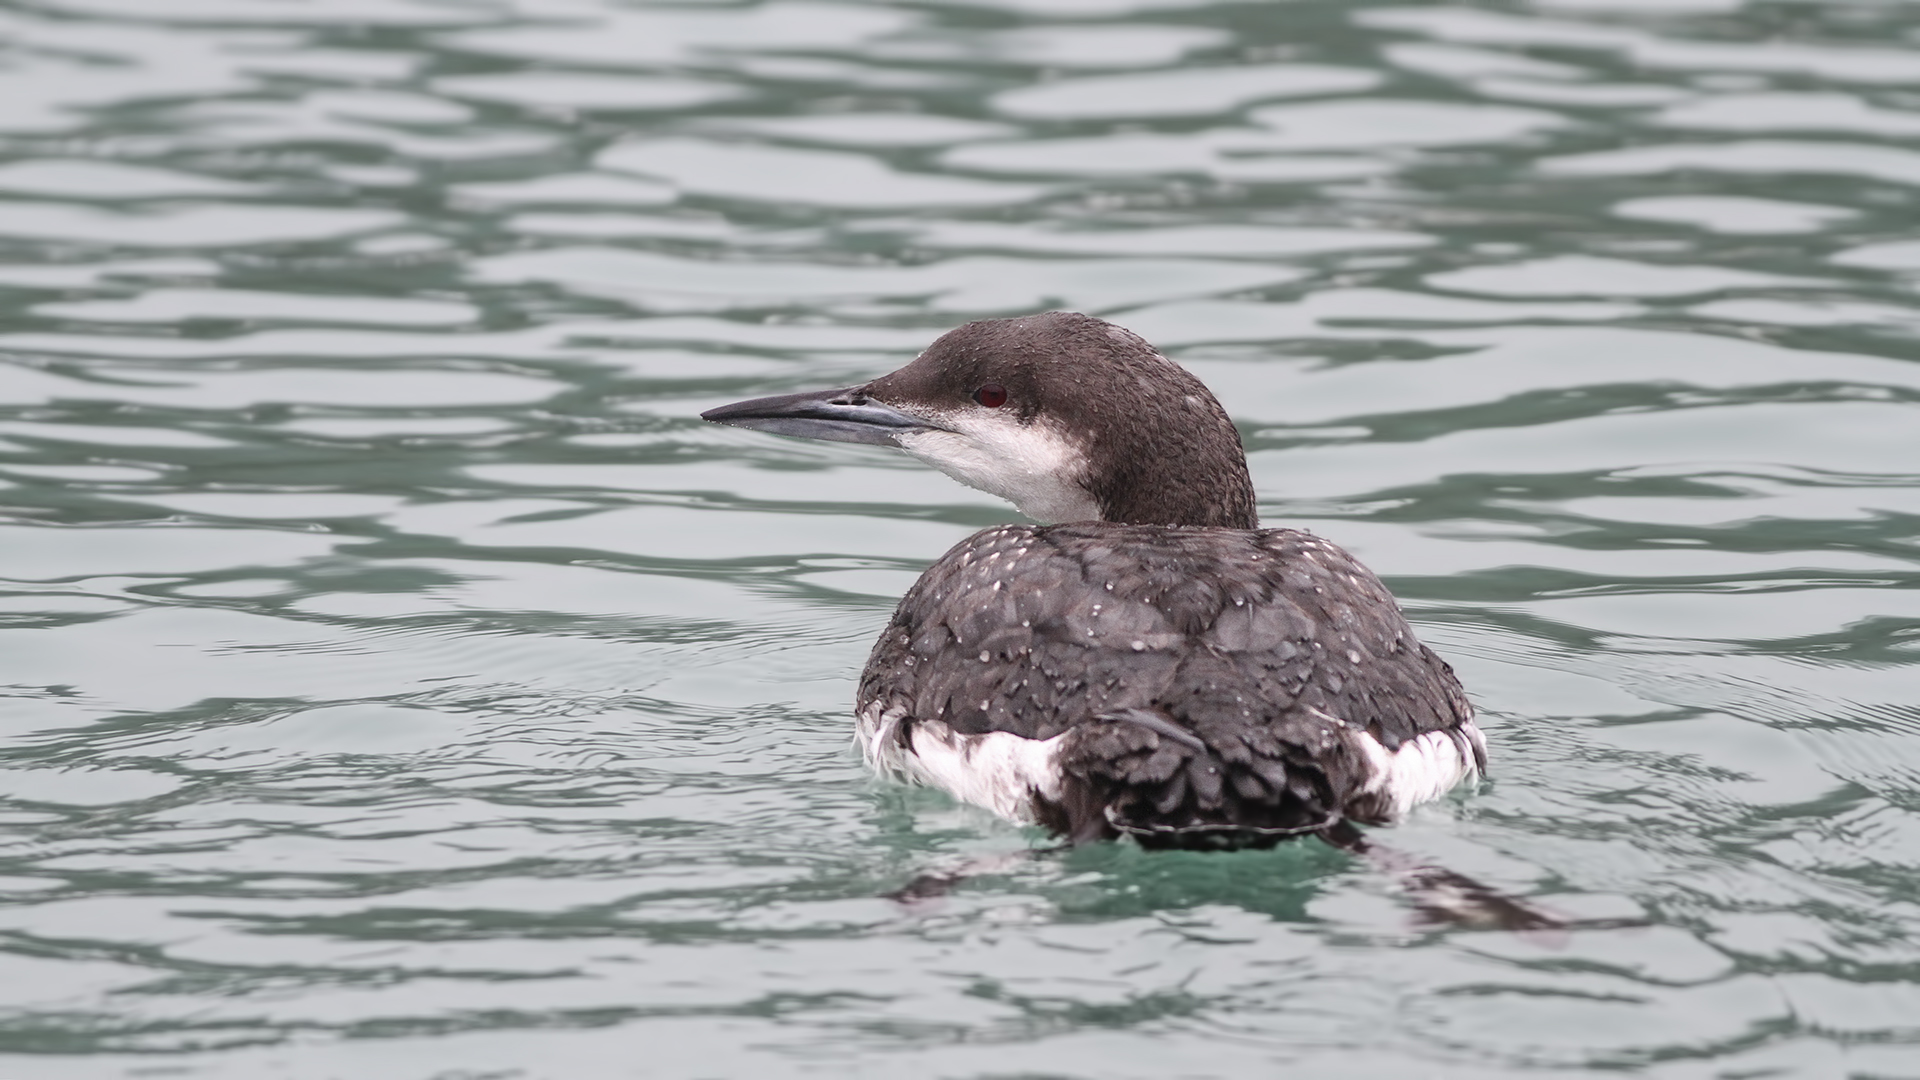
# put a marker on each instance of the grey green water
(401, 683)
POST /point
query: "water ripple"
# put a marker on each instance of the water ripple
(400, 681)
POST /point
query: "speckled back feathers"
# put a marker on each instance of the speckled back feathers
(1267, 647)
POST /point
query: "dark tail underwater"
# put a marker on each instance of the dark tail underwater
(1440, 897)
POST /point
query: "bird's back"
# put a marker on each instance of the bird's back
(1193, 687)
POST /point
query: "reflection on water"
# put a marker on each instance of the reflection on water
(400, 682)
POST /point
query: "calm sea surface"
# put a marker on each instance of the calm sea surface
(400, 682)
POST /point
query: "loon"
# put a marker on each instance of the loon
(1148, 662)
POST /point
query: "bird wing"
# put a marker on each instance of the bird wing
(1271, 647)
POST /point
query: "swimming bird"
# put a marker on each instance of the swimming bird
(1147, 661)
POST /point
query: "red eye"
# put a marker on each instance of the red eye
(992, 395)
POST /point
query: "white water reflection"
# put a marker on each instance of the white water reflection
(1588, 275)
(1225, 154)
(398, 679)
(584, 90)
(571, 189)
(106, 180)
(1353, 125)
(808, 177)
(1737, 214)
(1761, 157)
(1580, 95)
(1084, 45)
(966, 284)
(1892, 255)
(1231, 241)
(594, 35)
(1199, 92)
(878, 130)
(185, 225)
(1827, 113)
(175, 305)
(1850, 63)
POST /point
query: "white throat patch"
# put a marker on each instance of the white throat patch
(1033, 466)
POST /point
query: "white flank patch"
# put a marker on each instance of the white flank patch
(1033, 466)
(1425, 767)
(999, 770)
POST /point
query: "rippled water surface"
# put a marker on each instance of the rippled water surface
(401, 682)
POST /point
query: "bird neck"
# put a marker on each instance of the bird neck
(1210, 489)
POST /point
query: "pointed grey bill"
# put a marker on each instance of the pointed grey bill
(846, 415)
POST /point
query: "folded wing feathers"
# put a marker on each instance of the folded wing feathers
(1276, 676)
